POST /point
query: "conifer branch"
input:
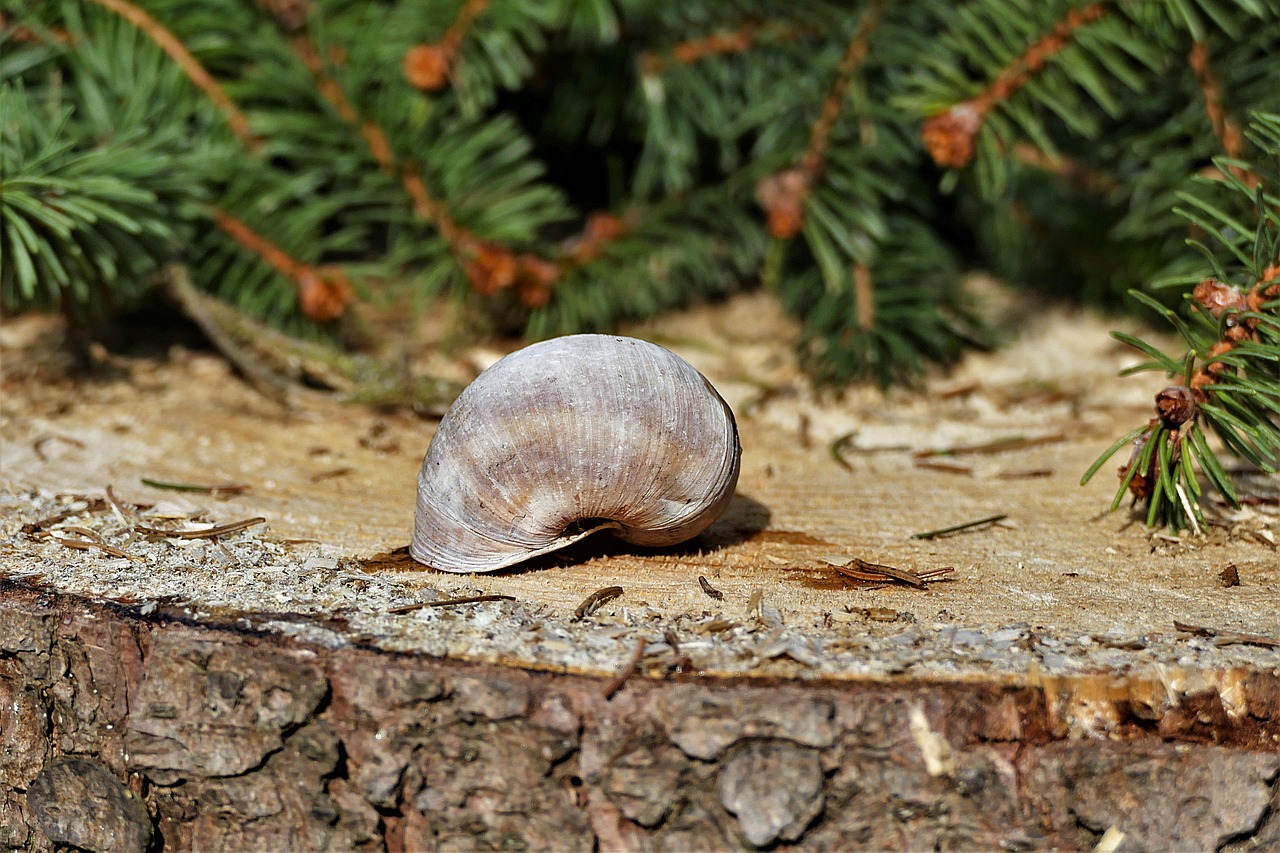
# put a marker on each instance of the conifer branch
(190, 66)
(428, 66)
(1072, 171)
(950, 136)
(489, 266)
(722, 43)
(783, 195)
(1225, 128)
(1228, 382)
(864, 297)
(323, 292)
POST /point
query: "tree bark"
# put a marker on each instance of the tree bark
(122, 731)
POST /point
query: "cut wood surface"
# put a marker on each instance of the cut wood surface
(284, 643)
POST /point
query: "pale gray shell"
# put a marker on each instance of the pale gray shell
(568, 437)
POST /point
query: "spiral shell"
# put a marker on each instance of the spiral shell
(569, 437)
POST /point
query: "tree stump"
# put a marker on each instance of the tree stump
(298, 685)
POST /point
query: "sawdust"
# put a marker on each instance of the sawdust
(1059, 586)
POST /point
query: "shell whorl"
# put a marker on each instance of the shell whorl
(568, 437)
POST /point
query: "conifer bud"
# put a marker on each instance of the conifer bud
(426, 67)
(1218, 298)
(950, 136)
(1176, 406)
(535, 278)
(782, 196)
(323, 294)
(492, 268)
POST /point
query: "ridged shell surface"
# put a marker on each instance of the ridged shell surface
(568, 437)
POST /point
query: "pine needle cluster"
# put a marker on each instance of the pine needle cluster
(565, 165)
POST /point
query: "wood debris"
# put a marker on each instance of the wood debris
(595, 600)
(215, 489)
(208, 533)
(709, 589)
(1000, 445)
(860, 570)
(614, 684)
(956, 528)
(1228, 638)
(449, 602)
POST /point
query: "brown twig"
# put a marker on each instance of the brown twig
(944, 466)
(37, 446)
(1025, 473)
(331, 474)
(220, 530)
(595, 600)
(1224, 126)
(450, 602)
(709, 589)
(950, 135)
(614, 684)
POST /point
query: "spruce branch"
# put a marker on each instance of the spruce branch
(950, 135)
(1228, 382)
(1225, 127)
(723, 42)
(195, 71)
(783, 195)
(427, 66)
(323, 292)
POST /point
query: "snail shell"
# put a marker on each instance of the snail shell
(569, 437)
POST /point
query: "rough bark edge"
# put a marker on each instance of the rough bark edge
(239, 739)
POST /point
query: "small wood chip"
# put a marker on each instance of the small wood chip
(709, 589)
(755, 606)
(331, 473)
(593, 602)
(1230, 576)
(614, 684)
(221, 530)
(449, 602)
